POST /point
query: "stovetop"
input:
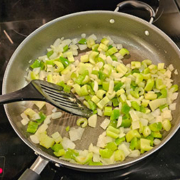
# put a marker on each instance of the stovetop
(18, 18)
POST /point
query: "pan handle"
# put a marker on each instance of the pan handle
(138, 4)
(34, 172)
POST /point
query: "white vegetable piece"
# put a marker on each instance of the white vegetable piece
(24, 122)
(134, 153)
(57, 137)
(34, 138)
(124, 148)
(56, 115)
(76, 134)
(40, 104)
(93, 149)
(67, 143)
(92, 121)
(105, 123)
(119, 121)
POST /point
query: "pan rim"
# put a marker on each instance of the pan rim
(65, 163)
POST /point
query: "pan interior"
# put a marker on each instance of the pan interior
(143, 40)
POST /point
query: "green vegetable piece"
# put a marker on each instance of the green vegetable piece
(46, 141)
(65, 48)
(114, 58)
(107, 111)
(67, 89)
(113, 123)
(150, 96)
(134, 94)
(103, 102)
(102, 76)
(112, 132)
(146, 131)
(135, 71)
(126, 122)
(151, 138)
(105, 41)
(115, 114)
(118, 86)
(155, 126)
(112, 146)
(174, 88)
(115, 102)
(67, 128)
(163, 93)
(131, 134)
(147, 62)
(156, 134)
(91, 163)
(119, 155)
(32, 127)
(124, 52)
(145, 144)
(82, 41)
(163, 106)
(79, 79)
(166, 124)
(125, 108)
(111, 51)
(157, 103)
(95, 47)
(61, 152)
(64, 61)
(118, 141)
(159, 84)
(134, 143)
(71, 154)
(105, 86)
(102, 47)
(106, 153)
(92, 105)
(42, 118)
(84, 159)
(135, 105)
(56, 147)
(37, 63)
(149, 85)
(49, 53)
(82, 122)
(142, 109)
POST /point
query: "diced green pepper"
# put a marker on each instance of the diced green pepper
(42, 118)
(82, 41)
(107, 111)
(106, 153)
(64, 61)
(118, 86)
(156, 126)
(125, 108)
(134, 143)
(115, 114)
(32, 127)
(118, 141)
(135, 105)
(71, 154)
(49, 53)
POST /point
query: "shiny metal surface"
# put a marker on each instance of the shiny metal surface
(126, 29)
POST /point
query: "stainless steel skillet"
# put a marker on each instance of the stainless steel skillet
(142, 39)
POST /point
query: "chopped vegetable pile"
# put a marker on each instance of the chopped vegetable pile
(135, 99)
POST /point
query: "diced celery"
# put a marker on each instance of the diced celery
(59, 65)
(100, 93)
(135, 105)
(91, 163)
(82, 41)
(118, 141)
(156, 134)
(46, 141)
(67, 128)
(121, 68)
(92, 56)
(159, 84)
(71, 154)
(95, 47)
(56, 147)
(124, 52)
(131, 134)
(82, 122)
(32, 127)
(157, 103)
(115, 114)
(119, 155)
(92, 105)
(126, 122)
(134, 94)
(166, 124)
(105, 86)
(115, 102)
(60, 153)
(65, 48)
(49, 53)
(156, 126)
(103, 102)
(90, 42)
(145, 144)
(112, 146)
(147, 62)
(111, 51)
(135, 64)
(106, 153)
(118, 86)
(84, 159)
(105, 41)
(163, 93)
(134, 143)
(42, 118)
(125, 108)
(95, 99)
(174, 88)
(107, 111)
(150, 96)
(149, 85)
(84, 58)
(102, 47)
(146, 131)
